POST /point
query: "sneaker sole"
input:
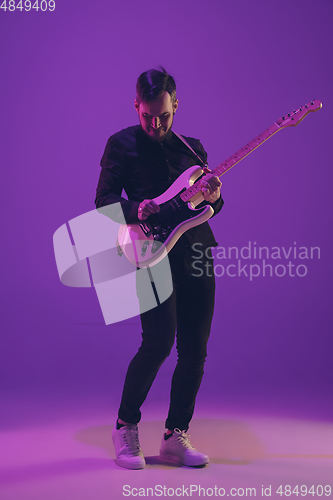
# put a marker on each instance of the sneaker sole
(134, 466)
(175, 459)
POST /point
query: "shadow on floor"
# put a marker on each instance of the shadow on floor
(224, 441)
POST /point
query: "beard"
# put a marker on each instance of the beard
(157, 135)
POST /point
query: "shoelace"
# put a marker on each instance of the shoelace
(131, 440)
(184, 438)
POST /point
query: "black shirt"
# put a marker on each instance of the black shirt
(144, 169)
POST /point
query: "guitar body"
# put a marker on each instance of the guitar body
(148, 243)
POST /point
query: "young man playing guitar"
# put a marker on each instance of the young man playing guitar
(145, 160)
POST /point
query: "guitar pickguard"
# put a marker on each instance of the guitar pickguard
(172, 214)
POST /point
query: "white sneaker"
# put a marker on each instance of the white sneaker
(127, 446)
(178, 449)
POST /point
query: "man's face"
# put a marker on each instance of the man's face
(156, 116)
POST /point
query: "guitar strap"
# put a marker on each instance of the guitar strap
(181, 138)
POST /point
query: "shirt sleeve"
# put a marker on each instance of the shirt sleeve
(217, 205)
(112, 181)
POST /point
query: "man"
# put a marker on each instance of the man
(144, 160)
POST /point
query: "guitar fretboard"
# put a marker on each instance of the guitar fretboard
(221, 169)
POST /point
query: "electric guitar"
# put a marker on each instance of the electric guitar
(147, 243)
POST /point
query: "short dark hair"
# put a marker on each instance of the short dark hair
(153, 83)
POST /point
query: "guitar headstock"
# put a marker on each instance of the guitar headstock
(295, 117)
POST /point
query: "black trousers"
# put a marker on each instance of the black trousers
(189, 311)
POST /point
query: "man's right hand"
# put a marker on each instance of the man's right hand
(146, 208)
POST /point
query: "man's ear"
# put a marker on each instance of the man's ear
(175, 106)
(136, 105)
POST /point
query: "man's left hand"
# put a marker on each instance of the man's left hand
(211, 187)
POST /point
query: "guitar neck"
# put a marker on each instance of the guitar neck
(194, 193)
(246, 150)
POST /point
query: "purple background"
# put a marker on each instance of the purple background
(68, 82)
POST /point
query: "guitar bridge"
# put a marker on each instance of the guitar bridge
(146, 229)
